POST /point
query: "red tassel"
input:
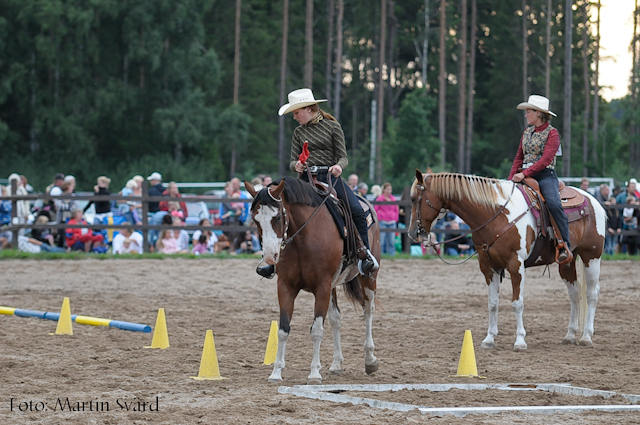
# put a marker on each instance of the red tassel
(305, 153)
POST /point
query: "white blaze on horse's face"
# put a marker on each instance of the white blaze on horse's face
(271, 242)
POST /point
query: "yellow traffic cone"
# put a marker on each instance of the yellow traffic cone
(64, 321)
(160, 335)
(272, 344)
(467, 366)
(209, 369)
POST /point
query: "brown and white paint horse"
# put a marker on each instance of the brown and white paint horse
(311, 261)
(476, 200)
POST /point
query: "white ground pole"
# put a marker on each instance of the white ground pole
(329, 393)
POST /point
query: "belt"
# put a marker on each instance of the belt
(314, 169)
(527, 165)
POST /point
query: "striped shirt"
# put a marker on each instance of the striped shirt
(326, 143)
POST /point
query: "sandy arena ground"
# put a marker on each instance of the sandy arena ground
(425, 307)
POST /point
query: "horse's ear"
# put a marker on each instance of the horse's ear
(419, 177)
(250, 189)
(429, 170)
(278, 190)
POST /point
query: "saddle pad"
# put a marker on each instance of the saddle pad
(572, 212)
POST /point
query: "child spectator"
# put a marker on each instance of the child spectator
(127, 241)
(181, 235)
(167, 244)
(83, 238)
(103, 208)
(43, 235)
(201, 246)
(210, 237)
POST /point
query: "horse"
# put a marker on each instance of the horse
(301, 239)
(504, 233)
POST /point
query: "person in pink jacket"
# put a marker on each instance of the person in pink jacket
(388, 216)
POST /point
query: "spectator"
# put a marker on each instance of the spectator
(459, 247)
(5, 218)
(201, 245)
(167, 244)
(35, 246)
(257, 183)
(630, 222)
(173, 192)
(237, 193)
(376, 191)
(23, 207)
(614, 226)
(630, 191)
(602, 194)
(181, 235)
(248, 243)
(388, 216)
(26, 184)
(132, 210)
(127, 241)
(65, 206)
(155, 189)
(363, 188)
(83, 238)
(103, 208)
(584, 184)
(352, 182)
(230, 211)
(210, 238)
(266, 180)
(55, 189)
(43, 235)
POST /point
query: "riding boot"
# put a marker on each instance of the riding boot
(267, 271)
(367, 263)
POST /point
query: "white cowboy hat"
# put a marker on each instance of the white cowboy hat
(299, 99)
(539, 103)
(155, 176)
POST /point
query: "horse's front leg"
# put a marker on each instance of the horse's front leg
(592, 276)
(286, 300)
(493, 289)
(334, 318)
(317, 332)
(517, 302)
(370, 361)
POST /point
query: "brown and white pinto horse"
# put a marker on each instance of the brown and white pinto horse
(311, 261)
(477, 200)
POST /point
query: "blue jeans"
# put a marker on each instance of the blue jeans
(387, 239)
(549, 188)
(155, 220)
(45, 247)
(611, 243)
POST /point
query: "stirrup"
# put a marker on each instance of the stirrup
(268, 271)
(564, 255)
(368, 265)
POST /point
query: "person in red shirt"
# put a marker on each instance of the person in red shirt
(83, 238)
(536, 157)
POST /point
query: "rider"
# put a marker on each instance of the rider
(536, 157)
(328, 153)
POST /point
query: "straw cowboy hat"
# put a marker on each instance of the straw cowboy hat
(299, 99)
(539, 103)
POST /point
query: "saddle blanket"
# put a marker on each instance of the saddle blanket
(573, 213)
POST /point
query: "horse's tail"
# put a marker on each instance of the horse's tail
(583, 308)
(353, 289)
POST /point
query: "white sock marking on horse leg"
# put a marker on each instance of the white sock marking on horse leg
(278, 365)
(317, 332)
(518, 308)
(334, 318)
(574, 297)
(493, 290)
(592, 276)
(369, 308)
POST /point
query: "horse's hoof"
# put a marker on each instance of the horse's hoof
(371, 368)
(275, 380)
(586, 343)
(520, 347)
(335, 372)
(567, 341)
(314, 381)
(488, 345)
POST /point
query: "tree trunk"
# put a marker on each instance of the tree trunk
(472, 84)
(308, 54)
(525, 71)
(354, 138)
(442, 87)
(329, 69)
(236, 87)
(566, 122)
(587, 89)
(282, 153)
(425, 43)
(547, 62)
(380, 111)
(635, 87)
(596, 98)
(338, 83)
(390, 62)
(462, 86)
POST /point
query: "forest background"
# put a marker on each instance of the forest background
(191, 88)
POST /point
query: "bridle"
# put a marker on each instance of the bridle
(421, 229)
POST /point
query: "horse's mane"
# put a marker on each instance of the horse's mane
(476, 189)
(296, 191)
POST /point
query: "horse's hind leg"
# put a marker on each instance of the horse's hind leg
(592, 277)
(370, 361)
(334, 318)
(569, 276)
(317, 331)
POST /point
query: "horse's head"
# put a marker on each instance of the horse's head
(269, 214)
(426, 208)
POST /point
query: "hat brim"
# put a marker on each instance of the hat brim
(289, 107)
(527, 105)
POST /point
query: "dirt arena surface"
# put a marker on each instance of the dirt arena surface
(425, 307)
